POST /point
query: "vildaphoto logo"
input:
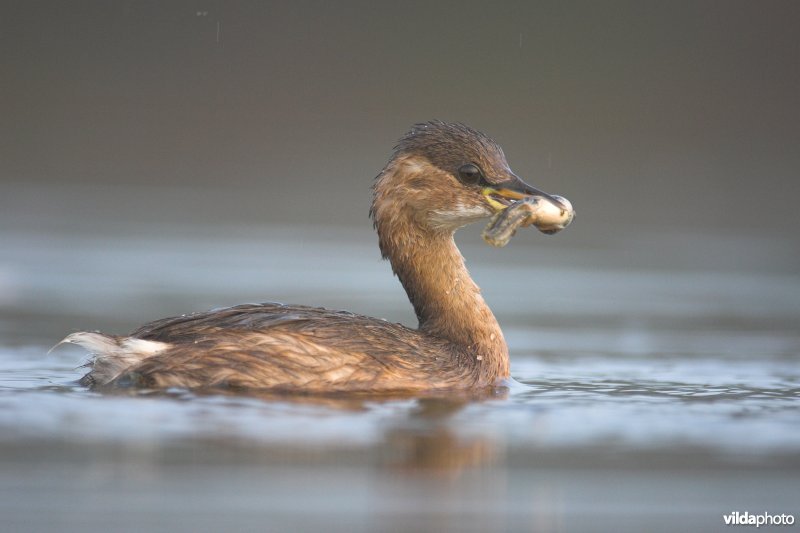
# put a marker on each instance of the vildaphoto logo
(764, 519)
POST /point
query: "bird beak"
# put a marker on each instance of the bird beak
(500, 195)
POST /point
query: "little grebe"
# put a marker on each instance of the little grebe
(440, 177)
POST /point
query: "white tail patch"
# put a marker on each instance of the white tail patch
(113, 355)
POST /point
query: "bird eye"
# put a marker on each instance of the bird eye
(470, 174)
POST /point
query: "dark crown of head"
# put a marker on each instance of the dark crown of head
(450, 145)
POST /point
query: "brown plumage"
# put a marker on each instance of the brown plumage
(440, 177)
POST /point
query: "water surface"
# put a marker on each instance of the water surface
(649, 394)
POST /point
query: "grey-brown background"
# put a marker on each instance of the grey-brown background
(656, 114)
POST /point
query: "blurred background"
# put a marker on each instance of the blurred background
(679, 116)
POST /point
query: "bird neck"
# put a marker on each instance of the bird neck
(446, 300)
